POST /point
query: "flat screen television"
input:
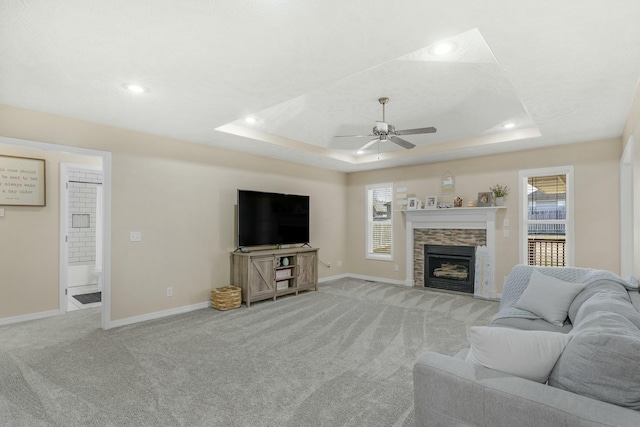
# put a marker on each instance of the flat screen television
(272, 219)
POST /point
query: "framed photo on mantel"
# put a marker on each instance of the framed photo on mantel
(485, 199)
(22, 181)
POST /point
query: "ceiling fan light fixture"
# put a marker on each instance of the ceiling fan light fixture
(251, 120)
(509, 125)
(382, 127)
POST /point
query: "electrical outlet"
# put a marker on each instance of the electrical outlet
(396, 267)
(329, 265)
(135, 236)
(505, 222)
(505, 233)
(169, 291)
(339, 263)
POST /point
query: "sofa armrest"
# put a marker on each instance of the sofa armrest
(452, 392)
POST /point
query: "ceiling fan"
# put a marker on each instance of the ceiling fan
(383, 131)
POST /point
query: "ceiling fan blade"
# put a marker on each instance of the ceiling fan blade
(401, 142)
(416, 131)
(353, 136)
(368, 144)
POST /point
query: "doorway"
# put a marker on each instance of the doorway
(81, 201)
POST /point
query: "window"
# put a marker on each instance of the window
(379, 221)
(546, 211)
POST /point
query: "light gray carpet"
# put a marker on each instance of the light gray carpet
(342, 356)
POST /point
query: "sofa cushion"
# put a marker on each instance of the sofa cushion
(549, 297)
(601, 360)
(594, 288)
(526, 354)
(532, 324)
(609, 301)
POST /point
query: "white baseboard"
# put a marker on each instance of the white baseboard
(27, 317)
(336, 277)
(157, 315)
(362, 277)
(377, 279)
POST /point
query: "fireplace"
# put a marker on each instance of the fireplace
(449, 267)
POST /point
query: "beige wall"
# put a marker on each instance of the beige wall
(632, 132)
(29, 244)
(596, 167)
(181, 197)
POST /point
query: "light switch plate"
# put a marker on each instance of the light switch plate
(505, 222)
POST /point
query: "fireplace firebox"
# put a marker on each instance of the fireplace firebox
(449, 267)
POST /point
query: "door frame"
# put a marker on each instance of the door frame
(64, 227)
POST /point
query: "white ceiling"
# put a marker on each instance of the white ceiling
(564, 72)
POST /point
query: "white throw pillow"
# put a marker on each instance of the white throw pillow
(549, 297)
(526, 354)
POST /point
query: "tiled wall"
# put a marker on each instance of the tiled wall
(82, 202)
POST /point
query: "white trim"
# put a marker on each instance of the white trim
(336, 277)
(377, 279)
(466, 218)
(362, 277)
(627, 229)
(27, 317)
(159, 314)
(523, 200)
(106, 192)
(368, 216)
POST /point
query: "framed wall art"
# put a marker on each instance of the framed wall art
(447, 183)
(22, 181)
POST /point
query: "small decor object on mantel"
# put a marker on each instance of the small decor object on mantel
(413, 203)
(500, 191)
(485, 199)
(431, 202)
(457, 202)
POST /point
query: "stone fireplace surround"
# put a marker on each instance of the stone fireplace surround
(441, 236)
(453, 226)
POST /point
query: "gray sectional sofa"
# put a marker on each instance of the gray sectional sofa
(595, 380)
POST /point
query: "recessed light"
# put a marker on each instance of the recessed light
(443, 48)
(136, 88)
(251, 120)
(509, 125)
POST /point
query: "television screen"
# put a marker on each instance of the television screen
(272, 218)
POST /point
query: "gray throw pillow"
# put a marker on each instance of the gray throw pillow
(601, 360)
(548, 297)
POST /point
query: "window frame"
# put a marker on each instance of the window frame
(369, 254)
(523, 177)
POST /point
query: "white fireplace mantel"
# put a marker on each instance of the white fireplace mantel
(460, 218)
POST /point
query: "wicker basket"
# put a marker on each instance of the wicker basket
(226, 298)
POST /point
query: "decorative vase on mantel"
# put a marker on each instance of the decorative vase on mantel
(499, 201)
